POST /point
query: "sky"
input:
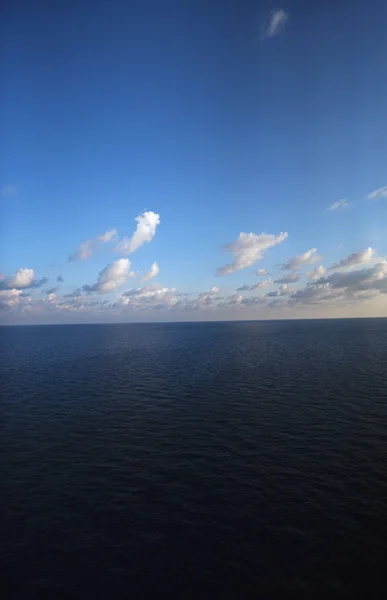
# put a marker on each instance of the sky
(192, 160)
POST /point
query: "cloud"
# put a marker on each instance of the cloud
(355, 259)
(362, 279)
(9, 298)
(79, 303)
(23, 279)
(308, 258)
(379, 193)
(283, 290)
(86, 249)
(111, 277)
(256, 286)
(148, 297)
(316, 273)
(51, 291)
(8, 190)
(276, 23)
(261, 272)
(74, 294)
(316, 294)
(60, 279)
(344, 287)
(153, 271)
(290, 278)
(146, 229)
(339, 204)
(248, 248)
(108, 236)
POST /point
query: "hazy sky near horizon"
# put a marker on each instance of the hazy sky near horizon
(189, 159)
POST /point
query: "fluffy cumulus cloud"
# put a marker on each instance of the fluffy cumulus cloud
(151, 297)
(344, 287)
(111, 277)
(369, 278)
(87, 249)
(316, 273)
(153, 272)
(23, 279)
(379, 193)
(9, 298)
(248, 248)
(340, 204)
(308, 258)
(275, 24)
(145, 231)
(283, 290)
(261, 272)
(355, 259)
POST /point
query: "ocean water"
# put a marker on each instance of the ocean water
(194, 460)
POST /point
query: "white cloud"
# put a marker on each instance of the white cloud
(289, 278)
(316, 273)
(146, 229)
(276, 23)
(261, 272)
(111, 277)
(339, 204)
(379, 193)
(148, 297)
(308, 258)
(9, 298)
(257, 286)
(355, 259)
(86, 249)
(23, 279)
(248, 248)
(153, 271)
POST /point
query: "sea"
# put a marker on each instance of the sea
(194, 460)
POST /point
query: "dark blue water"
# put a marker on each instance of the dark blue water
(194, 460)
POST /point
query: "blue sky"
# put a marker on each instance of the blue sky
(220, 117)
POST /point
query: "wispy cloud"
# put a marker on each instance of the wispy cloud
(86, 249)
(275, 24)
(289, 278)
(248, 248)
(308, 258)
(153, 271)
(257, 286)
(8, 190)
(339, 205)
(379, 193)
